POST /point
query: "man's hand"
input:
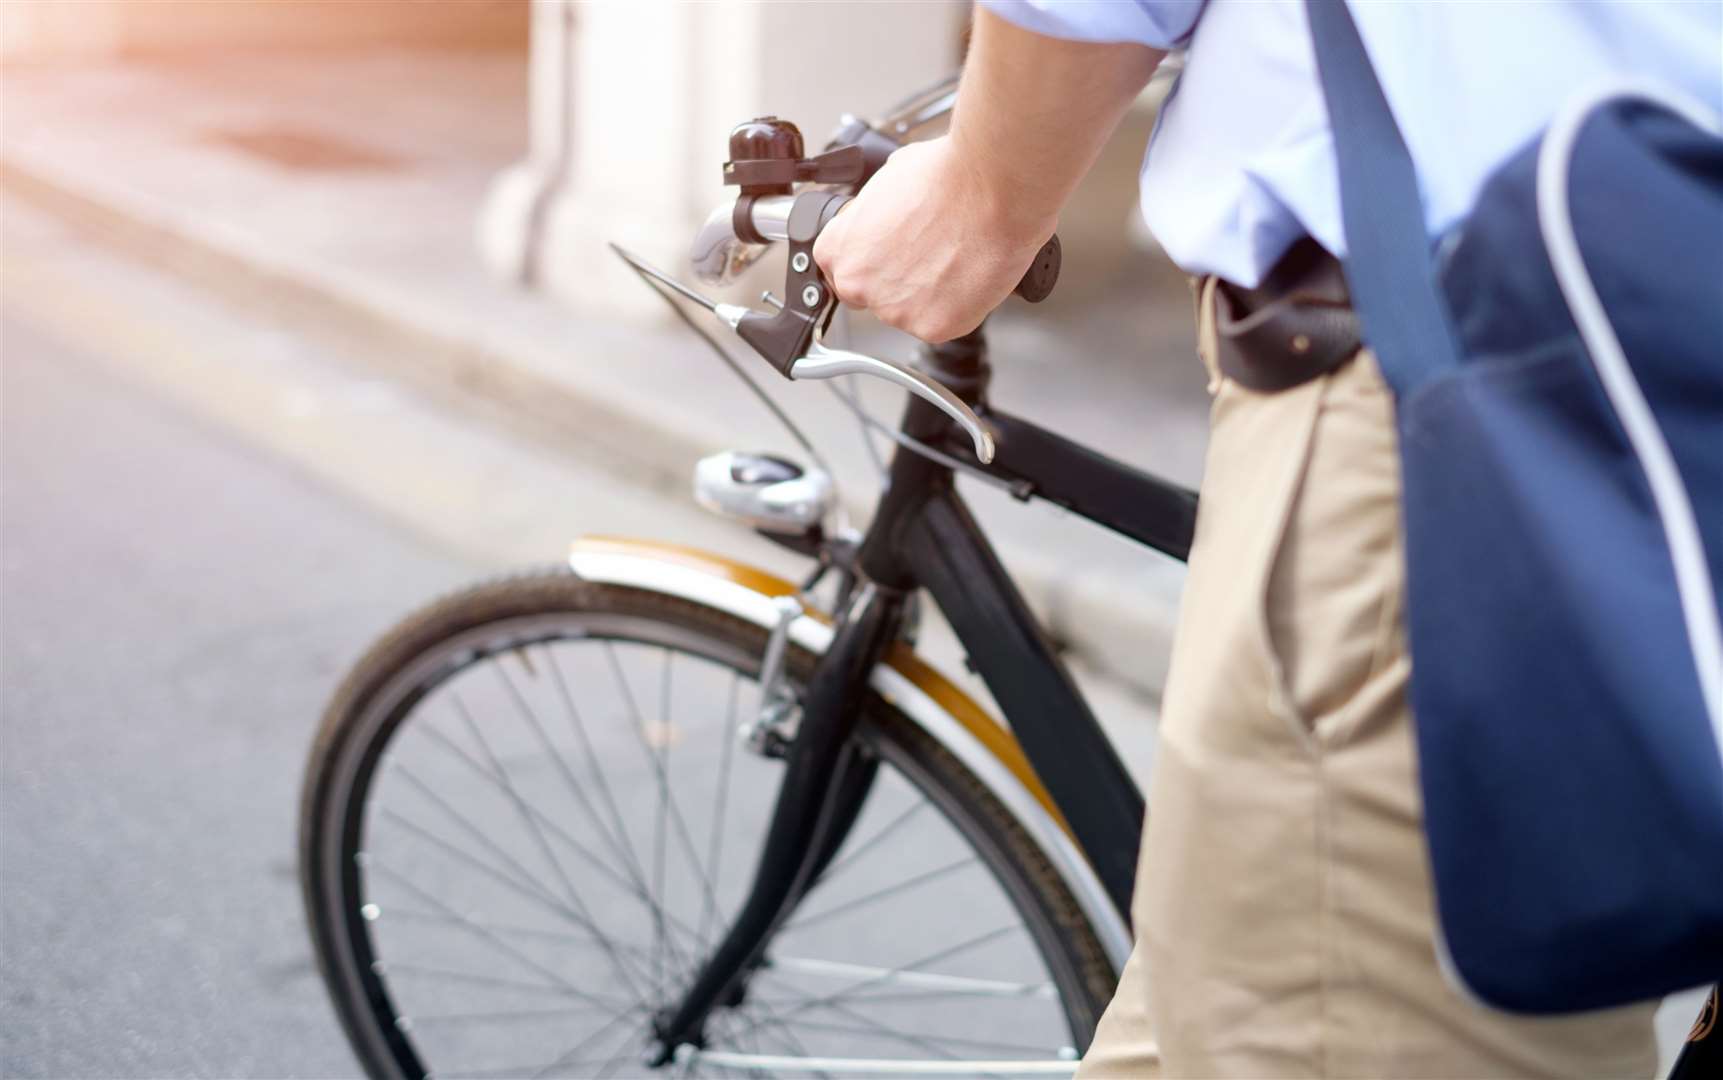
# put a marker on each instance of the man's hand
(928, 246)
(943, 233)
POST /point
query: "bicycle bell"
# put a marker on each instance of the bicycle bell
(764, 491)
(764, 154)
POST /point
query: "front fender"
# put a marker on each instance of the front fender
(986, 747)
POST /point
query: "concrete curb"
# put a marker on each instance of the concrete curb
(401, 340)
(1123, 628)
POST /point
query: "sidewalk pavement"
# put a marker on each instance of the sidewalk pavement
(341, 188)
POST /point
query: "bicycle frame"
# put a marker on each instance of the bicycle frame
(923, 536)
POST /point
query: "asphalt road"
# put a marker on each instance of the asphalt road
(205, 521)
(178, 605)
(201, 528)
(176, 608)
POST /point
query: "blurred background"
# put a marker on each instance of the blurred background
(309, 317)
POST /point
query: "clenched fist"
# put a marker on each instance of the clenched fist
(930, 246)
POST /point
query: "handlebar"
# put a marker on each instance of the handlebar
(767, 164)
(768, 217)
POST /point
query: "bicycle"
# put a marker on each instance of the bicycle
(499, 872)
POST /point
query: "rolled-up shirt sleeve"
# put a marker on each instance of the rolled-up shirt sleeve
(1160, 24)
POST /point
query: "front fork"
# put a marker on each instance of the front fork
(826, 779)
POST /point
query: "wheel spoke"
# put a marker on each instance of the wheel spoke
(944, 953)
(520, 803)
(872, 842)
(870, 1025)
(786, 1034)
(757, 1028)
(417, 1020)
(660, 916)
(926, 1040)
(507, 930)
(521, 874)
(603, 785)
(668, 801)
(563, 954)
(531, 891)
(515, 1072)
(373, 864)
(567, 1060)
(801, 922)
(555, 830)
(874, 1068)
(658, 888)
(424, 971)
(715, 846)
(530, 716)
(935, 982)
(538, 835)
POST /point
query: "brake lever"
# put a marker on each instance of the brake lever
(820, 362)
(817, 361)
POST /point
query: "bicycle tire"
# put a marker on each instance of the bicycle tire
(354, 735)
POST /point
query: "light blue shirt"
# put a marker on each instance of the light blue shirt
(1242, 160)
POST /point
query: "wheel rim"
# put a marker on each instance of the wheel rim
(509, 910)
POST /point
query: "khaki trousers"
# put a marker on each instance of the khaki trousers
(1283, 903)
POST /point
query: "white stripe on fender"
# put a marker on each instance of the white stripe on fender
(1680, 528)
(645, 571)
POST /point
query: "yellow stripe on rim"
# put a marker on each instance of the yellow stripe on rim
(958, 705)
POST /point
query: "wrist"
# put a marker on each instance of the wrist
(1006, 205)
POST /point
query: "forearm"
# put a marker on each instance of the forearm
(946, 228)
(1033, 113)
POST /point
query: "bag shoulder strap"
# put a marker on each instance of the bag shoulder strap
(1388, 266)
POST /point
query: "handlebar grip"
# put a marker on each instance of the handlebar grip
(1043, 273)
(1038, 280)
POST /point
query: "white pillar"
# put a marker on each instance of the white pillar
(42, 31)
(632, 104)
(511, 216)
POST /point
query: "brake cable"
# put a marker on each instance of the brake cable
(658, 282)
(771, 405)
(1016, 489)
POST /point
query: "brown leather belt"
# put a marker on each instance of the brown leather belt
(1297, 325)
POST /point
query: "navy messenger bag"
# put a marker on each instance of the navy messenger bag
(1557, 365)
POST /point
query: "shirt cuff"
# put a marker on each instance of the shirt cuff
(1159, 24)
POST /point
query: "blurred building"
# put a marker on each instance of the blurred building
(632, 106)
(629, 102)
(49, 30)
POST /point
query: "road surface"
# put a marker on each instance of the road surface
(205, 519)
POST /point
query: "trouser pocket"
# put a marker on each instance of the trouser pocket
(1331, 605)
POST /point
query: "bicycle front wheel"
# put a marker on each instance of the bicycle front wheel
(528, 817)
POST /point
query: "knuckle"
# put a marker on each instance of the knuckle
(894, 316)
(941, 326)
(930, 328)
(827, 246)
(849, 288)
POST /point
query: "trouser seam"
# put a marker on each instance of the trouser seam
(1393, 599)
(1325, 902)
(1280, 699)
(1329, 730)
